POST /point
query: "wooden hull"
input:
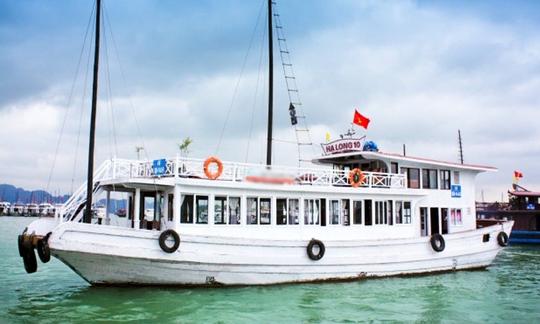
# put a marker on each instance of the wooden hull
(119, 256)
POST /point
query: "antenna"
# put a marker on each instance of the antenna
(138, 149)
(404, 150)
(460, 146)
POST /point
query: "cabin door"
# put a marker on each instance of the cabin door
(434, 220)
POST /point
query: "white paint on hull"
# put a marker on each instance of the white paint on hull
(120, 256)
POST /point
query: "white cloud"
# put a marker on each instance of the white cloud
(419, 73)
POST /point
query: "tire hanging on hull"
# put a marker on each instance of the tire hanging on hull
(164, 236)
(311, 254)
(437, 242)
(502, 239)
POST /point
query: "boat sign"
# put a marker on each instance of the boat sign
(343, 145)
(456, 191)
(159, 167)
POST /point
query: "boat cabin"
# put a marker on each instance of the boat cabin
(404, 195)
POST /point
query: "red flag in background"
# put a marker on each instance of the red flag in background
(518, 174)
(360, 120)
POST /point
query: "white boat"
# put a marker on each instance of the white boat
(46, 209)
(18, 209)
(5, 208)
(31, 209)
(361, 213)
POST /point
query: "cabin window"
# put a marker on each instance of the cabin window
(407, 213)
(186, 209)
(170, 205)
(334, 212)
(444, 217)
(389, 212)
(429, 179)
(287, 211)
(455, 216)
(413, 177)
(456, 177)
(220, 210)
(281, 211)
(234, 210)
(423, 221)
(403, 212)
(383, 212)
(445, 179)
(311, 211)
(357, 212)
(265, 211)
(294, 211)
(345, 212)
(252, 211)
(399, 212)
(368, 211)
(394, 167)
(202, 209)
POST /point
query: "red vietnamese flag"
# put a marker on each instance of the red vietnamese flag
(518, 174)
(360, 120)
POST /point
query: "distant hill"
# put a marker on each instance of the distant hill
(13, 194)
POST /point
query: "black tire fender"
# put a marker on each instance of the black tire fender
(43, 250)
(502, 239)
(30, 262)
(163, 239)
(437, 242)
(20, 240)
(311, 245)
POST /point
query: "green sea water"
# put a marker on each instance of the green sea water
(507, 292)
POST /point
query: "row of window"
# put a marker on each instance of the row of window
(227, 210)
(430, 178)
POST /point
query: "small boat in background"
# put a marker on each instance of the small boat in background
(523, 208)
(5, 208)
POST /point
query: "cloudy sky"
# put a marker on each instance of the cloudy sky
(420, 70)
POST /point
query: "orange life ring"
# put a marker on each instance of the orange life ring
(208, 173)
(356, 177)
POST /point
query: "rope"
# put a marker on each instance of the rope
(69, 100)
(239, 79)
(253, 108)
(75, 160)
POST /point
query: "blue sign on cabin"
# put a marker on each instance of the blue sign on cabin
(530, 206)
(456, 191)
(159, 167)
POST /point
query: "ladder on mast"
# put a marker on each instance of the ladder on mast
(302, 133)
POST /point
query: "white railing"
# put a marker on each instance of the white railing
(232, 171)
(68, 210)
(118, 169)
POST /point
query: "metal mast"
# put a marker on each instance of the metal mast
(90, 179)
(270, 87)
(460, 146)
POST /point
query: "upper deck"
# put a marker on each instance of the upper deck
(179, 167)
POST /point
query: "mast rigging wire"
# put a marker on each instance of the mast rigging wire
(239, 78)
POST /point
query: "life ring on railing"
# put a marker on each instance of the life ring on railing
(164, 236)
(502, 239)
(209, 174)
(311, 253)
(437, 242)
(356, 177)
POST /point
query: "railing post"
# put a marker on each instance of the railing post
(176, 166)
